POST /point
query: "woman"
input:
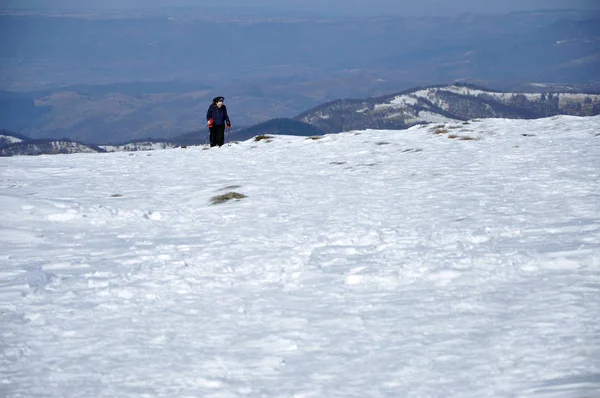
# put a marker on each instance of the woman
(217, 119)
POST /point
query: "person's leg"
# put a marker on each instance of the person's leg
(213, 136)
(221, 135)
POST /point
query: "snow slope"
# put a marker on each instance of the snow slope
(362, 264)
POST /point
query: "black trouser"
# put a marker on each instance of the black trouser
(217, 135)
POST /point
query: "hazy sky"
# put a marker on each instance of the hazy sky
(329, 7)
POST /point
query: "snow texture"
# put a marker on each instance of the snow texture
(417, 263)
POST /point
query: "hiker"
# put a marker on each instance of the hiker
(217, 119)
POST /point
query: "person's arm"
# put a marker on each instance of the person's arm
(209, 113)
(227, 121)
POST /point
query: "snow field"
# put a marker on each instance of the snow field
(373, 263)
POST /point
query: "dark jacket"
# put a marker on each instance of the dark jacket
(219, 115)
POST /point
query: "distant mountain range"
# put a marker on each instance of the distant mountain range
(9, 146)
(434, 104)
(445, 103)
(14, 144)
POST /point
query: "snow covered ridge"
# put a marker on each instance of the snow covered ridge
(139, 146)
(13, 144)
(578, 104)
(7, 140)
(446, 103)
(28, 147)
(452, 260)
(46, 147)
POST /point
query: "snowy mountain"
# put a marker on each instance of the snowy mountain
(46, 147)
(458, 259)
(444, 104)
(11, 146)
(8, 138)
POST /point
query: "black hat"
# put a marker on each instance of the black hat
(217, 99)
